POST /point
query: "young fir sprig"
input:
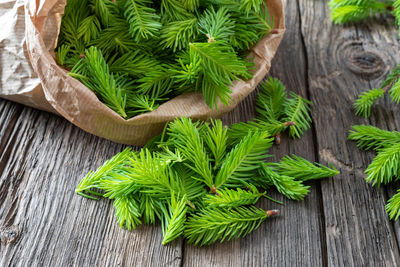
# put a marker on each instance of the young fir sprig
(372, 138)
(286, 185)
(303, 170)
(367, 99)
(276, 112)
(127, 211)
(143, 20)
(216, 139)
(228, 198)
(94, 72)
(174, 217)
(161, 48)
(385, 167)
(393, 206)
(344, 11)
(210, 225)
(184, 179)
(243, 159)
(92, 179)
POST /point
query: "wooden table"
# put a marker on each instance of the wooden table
(341, 223)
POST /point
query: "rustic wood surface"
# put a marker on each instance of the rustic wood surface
(341, 223)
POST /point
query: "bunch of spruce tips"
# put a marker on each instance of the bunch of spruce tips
(137, 54)
(385, 167)
(202, 180)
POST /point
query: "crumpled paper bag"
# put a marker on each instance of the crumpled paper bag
(30, 75)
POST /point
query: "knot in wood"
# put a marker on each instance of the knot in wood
(9, 234)
(366, 62)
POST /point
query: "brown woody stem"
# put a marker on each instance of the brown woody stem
(272, 212)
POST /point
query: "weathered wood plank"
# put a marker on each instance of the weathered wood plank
(43, 222)
(342, 62)
(296, 237)
(9, 114)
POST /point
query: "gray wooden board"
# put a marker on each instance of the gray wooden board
(342, 61)
(341, 223)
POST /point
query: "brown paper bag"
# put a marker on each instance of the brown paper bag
(61, 94)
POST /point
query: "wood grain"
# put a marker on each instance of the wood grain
(341, 223)
(342, 61)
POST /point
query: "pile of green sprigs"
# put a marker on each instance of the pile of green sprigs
(137, 54)
(202, 180)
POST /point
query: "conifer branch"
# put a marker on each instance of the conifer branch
(211, 225)
(89, 29)
(127, 211)
(106, 10)
(92, 178)
(173, 10)
(149, 208)
(220, 66)
(185, 135)
(303, 170)
(365, 101)
(369, 137)
(345, 11)
(297, 111)
(143, 20)
(135, 63)
(145, 171)
(229, 198)
(116, 39)
(156, 83)
(190, 5)
(241, 129)
(95, 74)
(271, 100)
(178, 34)
(243, 159)
(216, 138)
(216, 25)
(385, 166)
(174, 219)
(286, 185)
(61, 54)
(394, 91)
(393, 206)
